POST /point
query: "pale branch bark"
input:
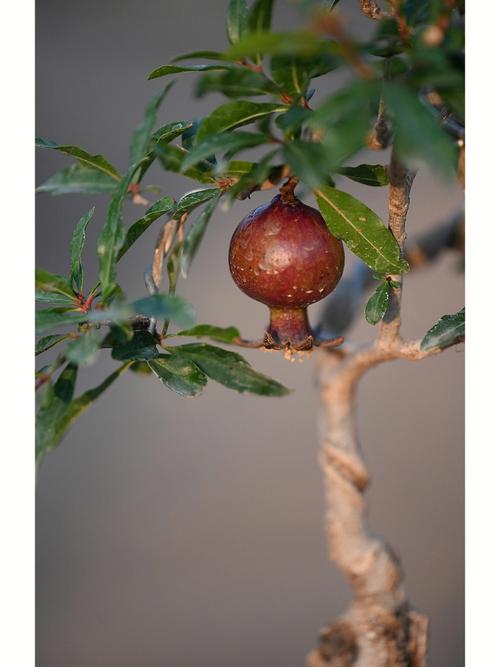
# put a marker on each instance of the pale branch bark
(379, 629)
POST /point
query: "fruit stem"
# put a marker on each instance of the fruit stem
(289, 327)
(287, 190)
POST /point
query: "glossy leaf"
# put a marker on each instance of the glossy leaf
(166, 306)
(418, 135)
(221, 334)
(112, 235)
(361, 229)
(368, 174)
(142, 133)
(72, 411)
(165, 70)
(83, 350)
(298, 42)
(55, 403)
(260, 16)
(94, 161)
(50, 318)
(448, 330)
(77, 243)
(230, 369)
(47, 342)
(141, 347)
(162, 207)
(78, 179)
(377, 304)
(290, 74)
(236, 20)
(236, 83)
(51, 282)
(171, 157)
(195, 235)
(235, 114)
(310, 161)
(209, 55)
(192, 200)
(226, 142)
(179, 374)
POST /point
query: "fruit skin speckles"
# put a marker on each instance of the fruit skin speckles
(283, 255)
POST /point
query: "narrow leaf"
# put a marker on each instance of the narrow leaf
(221, 334)
(260, 16)
(171, 158)
(376, 305)
(47, 342)
(166, 306)
(226, 142)
(94, 161)
(165, 70)
(361, 229)
(77, 243)
(83, 350)
(368, 174)
(236, 83)
(78, 179)
(48, 319)
(52, 282)
(179, 374)
(235, 114)
(74, 410)
(192, 200)
(142, 133)
(230, 369)
(112, 235)
(162, 207)
(236, 20)
(448, 330)
(195, 235)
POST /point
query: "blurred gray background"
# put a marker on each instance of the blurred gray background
(190, 532)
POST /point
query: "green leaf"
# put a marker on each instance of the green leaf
(112, 235)
(94, 161)
(179, 374)
(47, 342)
(165, 70)
(49, 318)
(195, 235)
(448, 330)
(418, 135)
(236, 20)
(77, 243)
(298, 42)
(166, 306)
(259, 172)
(142, 133)
(230, 369)
(235, 114)
(141, 348)
(51, 282)
(170, 131)
(236, 83)
(291, 74)
(309, 161)
(57, 427)
(209, 55)
(361, 229)
(377, 304)
(78, 179)
(55, 299)
(368, 174)
(161, 207)
(171, 157)
(83, 350)
(222, 334)
(192, 200)
(260, 16)
(226, 142)
(55, 403)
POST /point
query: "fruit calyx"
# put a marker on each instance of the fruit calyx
(283, 255)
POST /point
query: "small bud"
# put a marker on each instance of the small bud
(432, 36)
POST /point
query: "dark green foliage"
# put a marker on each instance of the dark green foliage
(293, 135)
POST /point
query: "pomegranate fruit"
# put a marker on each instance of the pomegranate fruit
(283, 255)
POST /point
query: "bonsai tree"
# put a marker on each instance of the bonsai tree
(404, 93)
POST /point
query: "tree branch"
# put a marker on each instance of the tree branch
(379, 629)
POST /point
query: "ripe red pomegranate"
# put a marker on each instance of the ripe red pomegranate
(283, 255)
